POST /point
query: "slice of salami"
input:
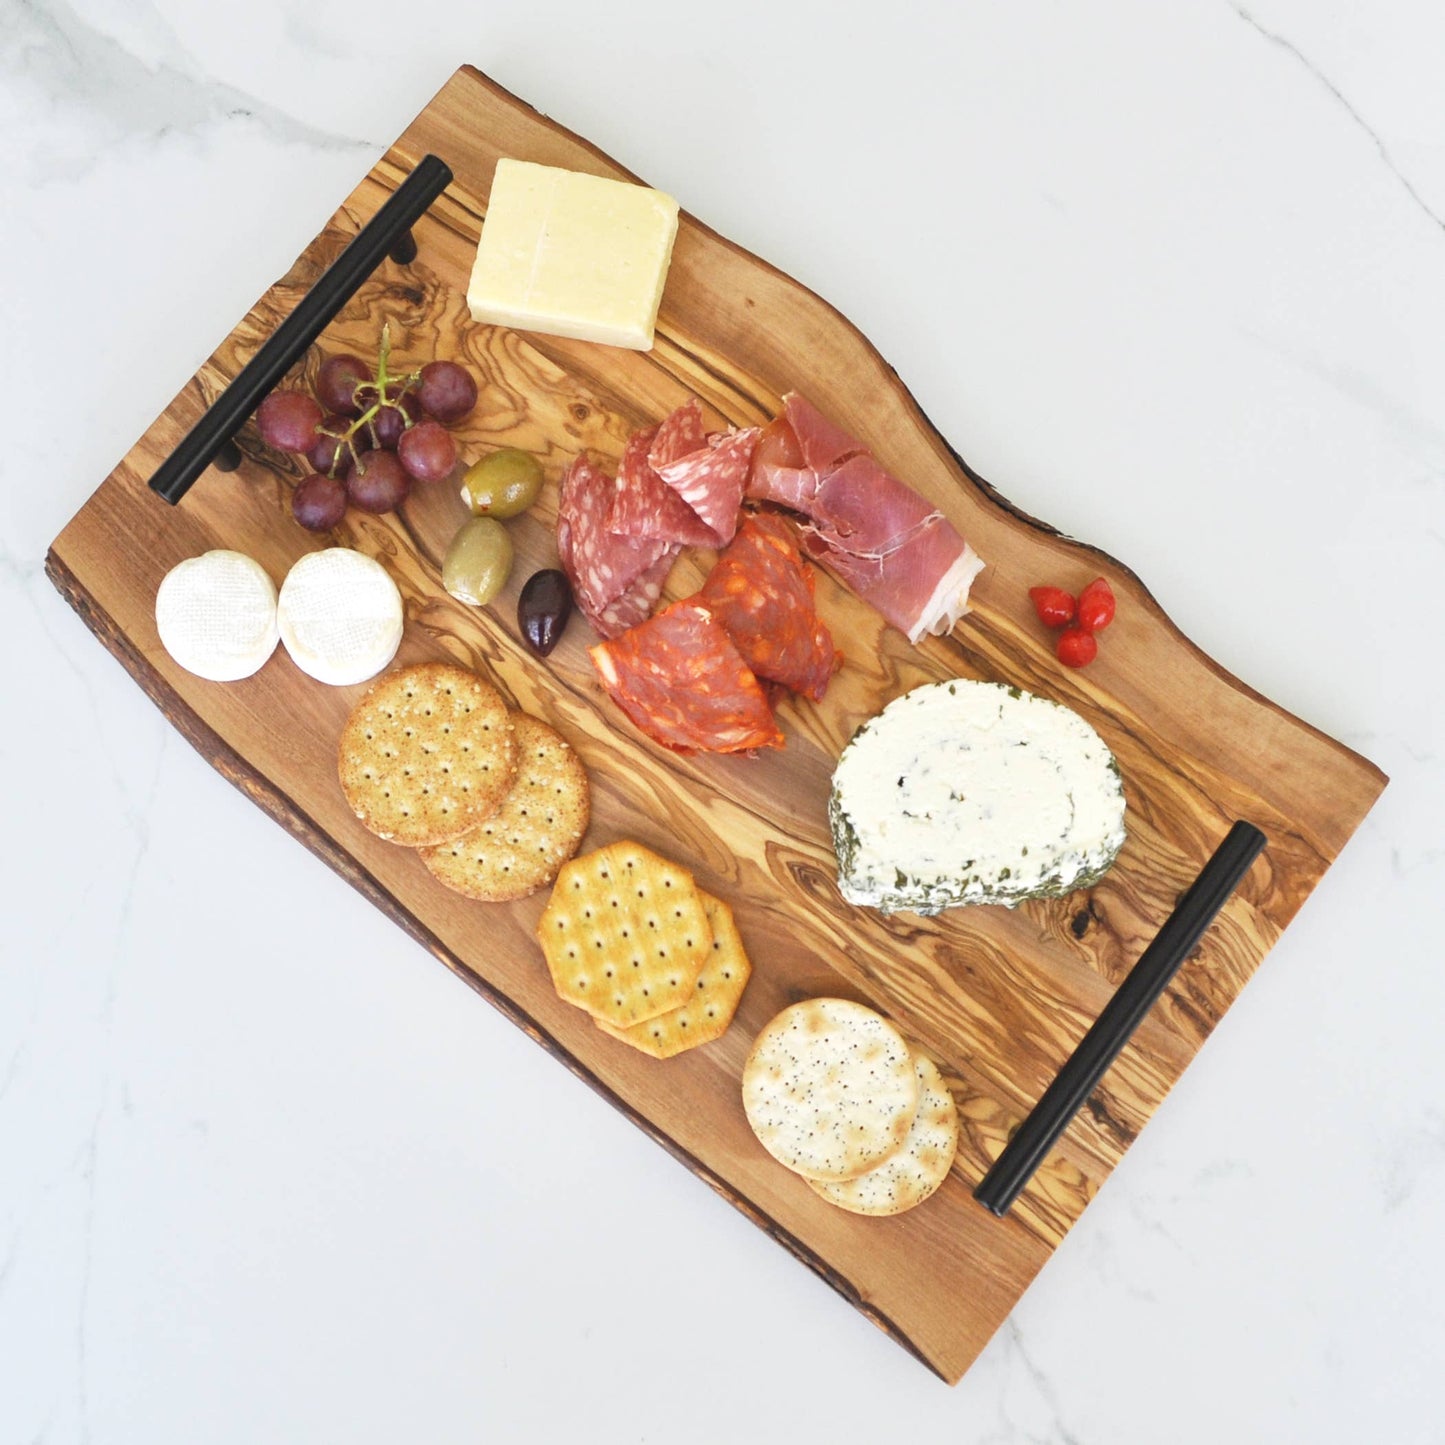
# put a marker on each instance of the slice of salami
(604, 567)
(643, 505)
(711, 480)
(683, 683)
(680, 434)
(636, 603)
(676, 484)
(762, 594)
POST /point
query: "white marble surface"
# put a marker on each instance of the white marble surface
(1172, 277)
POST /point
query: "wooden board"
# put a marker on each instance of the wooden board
(997, 997)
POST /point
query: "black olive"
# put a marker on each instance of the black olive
(543, 610)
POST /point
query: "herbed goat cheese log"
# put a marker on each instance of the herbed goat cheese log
(973, 792)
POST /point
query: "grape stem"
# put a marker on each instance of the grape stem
(384, 381)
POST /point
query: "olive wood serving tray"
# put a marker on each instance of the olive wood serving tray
(997, 997)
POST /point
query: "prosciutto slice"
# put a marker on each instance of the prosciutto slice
(823, 446)
(778, 473)
(885, 542)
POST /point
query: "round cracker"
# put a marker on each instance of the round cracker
(918, 1168)
(830, 1089)
(427, 754)
(521, 847)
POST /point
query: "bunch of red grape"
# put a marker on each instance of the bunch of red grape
(367, 434)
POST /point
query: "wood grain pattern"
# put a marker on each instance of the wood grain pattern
(998, 998)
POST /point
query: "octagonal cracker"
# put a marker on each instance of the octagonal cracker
(711, 1005)
(624, 934)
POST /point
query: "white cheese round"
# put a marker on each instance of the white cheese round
(973, 792)
(341, 616)
(216, 615)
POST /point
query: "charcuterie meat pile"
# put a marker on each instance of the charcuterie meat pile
(699, 675)
(676, 487)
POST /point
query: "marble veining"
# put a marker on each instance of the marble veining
(138, 94)
(1288, 46)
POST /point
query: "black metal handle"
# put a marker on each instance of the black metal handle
(1081, 1073)
(386, 233)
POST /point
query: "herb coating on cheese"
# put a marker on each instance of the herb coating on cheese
(973, 792)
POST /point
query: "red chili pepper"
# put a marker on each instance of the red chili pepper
(1076, 647)
(1054, 606)
(1096, 606)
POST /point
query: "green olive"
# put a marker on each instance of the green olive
(504, 484)
(478, 561)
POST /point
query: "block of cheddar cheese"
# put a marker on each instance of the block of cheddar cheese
(572, 255)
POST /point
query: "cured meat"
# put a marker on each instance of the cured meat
(778, 473)
(707, 474)
(762, 594)
(635, 603)
(823, 446)
(711, 480)
(683, 683)
(677, 484)
(615, 578)
(890, 546)
(893, 582)
(643, 505)
(680, 434)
